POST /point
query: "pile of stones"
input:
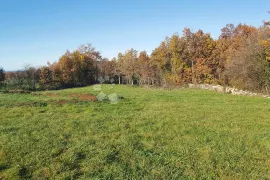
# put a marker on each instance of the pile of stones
(228, 90)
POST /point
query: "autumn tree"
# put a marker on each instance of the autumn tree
(2, 75)
(177, 55)
(67, 70)
(31, 77)
(222, 51)
(56, 75)
(90, 51)
(160, 61)
(116, 69)
(249, 67)
(200, 59)
(46, 77)
(129, 65)
(145, 70)
(88, 70)
(266, 41)
(106, 69)
(15, 79)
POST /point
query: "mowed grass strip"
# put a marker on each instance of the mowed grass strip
(149, 134)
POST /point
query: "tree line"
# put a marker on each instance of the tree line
(240, 57)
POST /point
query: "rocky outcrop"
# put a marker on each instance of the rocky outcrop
(228, 90)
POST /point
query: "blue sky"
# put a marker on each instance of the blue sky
(36, 31)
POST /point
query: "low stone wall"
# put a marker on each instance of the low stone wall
(228, 90)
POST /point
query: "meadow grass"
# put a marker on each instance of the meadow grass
(149, 134)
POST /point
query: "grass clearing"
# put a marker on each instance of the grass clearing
(149, 134)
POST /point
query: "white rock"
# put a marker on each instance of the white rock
(228, 90)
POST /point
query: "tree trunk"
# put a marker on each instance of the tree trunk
(119, 79)
(192, 71)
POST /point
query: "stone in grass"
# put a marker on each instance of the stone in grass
(101, 96)
(97, 87)
(114, 99)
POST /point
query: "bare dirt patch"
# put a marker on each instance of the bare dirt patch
(87, 97)
(83, 97)
(73, 95)
(73, 98)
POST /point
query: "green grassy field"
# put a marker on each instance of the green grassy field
(149, 134)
